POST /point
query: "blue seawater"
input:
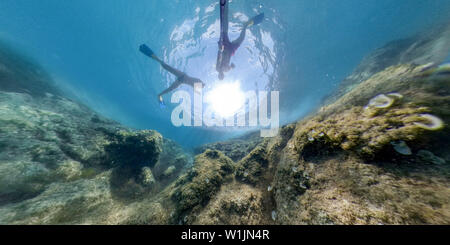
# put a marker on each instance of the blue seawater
(304, 48)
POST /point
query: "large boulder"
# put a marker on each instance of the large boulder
(366, 161)
(431, 46)
(235, 149)
(62, 163)
(194, 189)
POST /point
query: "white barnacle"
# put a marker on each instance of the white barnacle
(395, 96)
(426, 66)
(435, 123)
(380, 101)
(274, 215)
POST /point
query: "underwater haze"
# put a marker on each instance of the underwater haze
(302, 49)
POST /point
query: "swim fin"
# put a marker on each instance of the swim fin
(147, 51)
(161, 102)
(256, 20)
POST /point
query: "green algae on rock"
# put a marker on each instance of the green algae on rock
(350, 171)
(427, 48)
(139, 148)
(47, 148)
(235, 149)
(235, 204)
(250, 168)
(346, 125)
(194, 189)
(172, 162)
(59, 160)
(339, 166)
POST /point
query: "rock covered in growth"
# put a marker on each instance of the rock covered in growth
(169, 171)
(147, 176)
(43, 140)
(172, 162)
(428, 47)
(54, 157)
(251, 167)
(82, 201)
(429, 158)
(62, 163)
(85, 201)
(342, 167)
(346, 190)
(235, 204)
(349, 164)
(236, 149)
(194, 189)
(134, 148)
(52, 139)
(371, 132)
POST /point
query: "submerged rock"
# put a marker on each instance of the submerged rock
(172, 162)
(169, 171)
(236, 149)
(250, 168)
(428, 47)
(84, 201)
(234, 204)
(346, 126)
(52, 139)
(62, 163)
(133, 148)
(358, 180)
(70, 170)
(147, 176)
(192, 190)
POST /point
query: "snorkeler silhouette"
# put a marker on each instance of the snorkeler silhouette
(227, 48)
(181, 76)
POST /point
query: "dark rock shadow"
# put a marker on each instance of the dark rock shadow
(126, 186)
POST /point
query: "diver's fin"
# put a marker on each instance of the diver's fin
(256, 20)
(161, 102)
(147, 51)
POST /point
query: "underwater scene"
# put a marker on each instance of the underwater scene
(225, 112)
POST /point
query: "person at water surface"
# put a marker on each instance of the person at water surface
(226, 47)
(181, 77)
